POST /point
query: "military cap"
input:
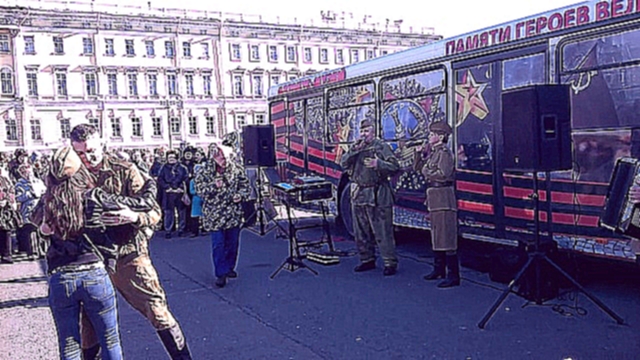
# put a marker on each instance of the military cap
(440, 127)
(365, 123)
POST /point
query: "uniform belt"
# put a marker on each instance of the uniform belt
(439, 184)
(77, 268)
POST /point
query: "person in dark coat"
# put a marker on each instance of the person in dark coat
(173, 181)
(439, 171)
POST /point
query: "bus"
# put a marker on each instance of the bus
(592, 46)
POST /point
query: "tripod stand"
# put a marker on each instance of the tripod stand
(261, 214)
(294, 261)
(536, 257)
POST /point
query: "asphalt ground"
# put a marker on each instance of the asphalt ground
(339, 314)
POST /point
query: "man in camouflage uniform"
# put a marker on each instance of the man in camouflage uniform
(369, 163)
(438, 170)
(135, 277)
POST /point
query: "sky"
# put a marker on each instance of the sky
(448, 18)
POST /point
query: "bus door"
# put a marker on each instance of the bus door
(490, 200)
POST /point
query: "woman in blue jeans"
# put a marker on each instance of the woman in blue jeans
(78, 280)
(222, 184)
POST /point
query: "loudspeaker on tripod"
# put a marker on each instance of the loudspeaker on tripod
(536, 128)
(258, 145)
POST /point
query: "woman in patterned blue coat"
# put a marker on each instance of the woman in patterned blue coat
(222, 184)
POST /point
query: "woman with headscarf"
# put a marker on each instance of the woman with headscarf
(223, 185)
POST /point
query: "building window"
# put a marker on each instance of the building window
(186, 49)
(112, 81)
(133, 84)
(4, 44)
(237, 85)
(254, 51)
(273, 53)
(175, 125)
(257, 85)
(58, 45)
(61, 84)
(36, 130)
(308, 57)
(6, 80)
(292, 77)
(324, 56)
(189, 82)
(136, 127)
(259, 119)
(152, 80)
(235, 52)
(275, 80)
(32, 83)
(91, 84)
(109, 50)
(156, 124)
(384, 52)
(171, 84)
(291, 54)
(129, 49)
(205, 50)
(193, 125)
(87, 46)
(11, 126)
(241, 120)
(206, 84)
(211, 125)
(339, 56)
(168, 49)
(65, 128)
(369, 54)
(29, 45)
(116, 128)
(151, 50)
(355, 56)
(95, 122)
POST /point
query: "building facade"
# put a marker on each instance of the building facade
(150, 77)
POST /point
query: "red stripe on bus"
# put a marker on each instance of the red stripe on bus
(281, 155)
(475, 207)
(297, 162)
(277, 108)
(330, 156)
(278, 123)
(558, 218)
(315, 152)
(296, 147)
(281, 140)
(556, 196)
(292, 120)
(477, 188)
(315, 167)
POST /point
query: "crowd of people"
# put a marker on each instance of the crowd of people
(90, 212)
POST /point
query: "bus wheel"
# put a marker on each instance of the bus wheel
(345, 209)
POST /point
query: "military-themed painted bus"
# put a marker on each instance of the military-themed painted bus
(593, 46)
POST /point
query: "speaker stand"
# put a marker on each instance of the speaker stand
(261, 214)
(536, 257)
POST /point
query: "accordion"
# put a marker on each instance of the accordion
(620, 214)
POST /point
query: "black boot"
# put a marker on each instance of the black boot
(92, 353)
(438, 266)
(453, 272)
(175, 343)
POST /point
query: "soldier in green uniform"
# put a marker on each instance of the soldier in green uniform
(438, 170)
(369, 163)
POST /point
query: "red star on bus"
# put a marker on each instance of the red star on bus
(469, 98)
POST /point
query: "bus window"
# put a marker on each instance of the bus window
(474, 121)
(603, 75)
(315, 124)
(596, 153)
(347, 107)
(523, 71)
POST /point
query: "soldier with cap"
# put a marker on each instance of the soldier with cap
(438, 170)
(370, 162)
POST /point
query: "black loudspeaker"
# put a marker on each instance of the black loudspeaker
(258, 144)
(536, 127)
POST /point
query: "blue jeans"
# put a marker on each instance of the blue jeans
(225, 250)
(91, 290)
